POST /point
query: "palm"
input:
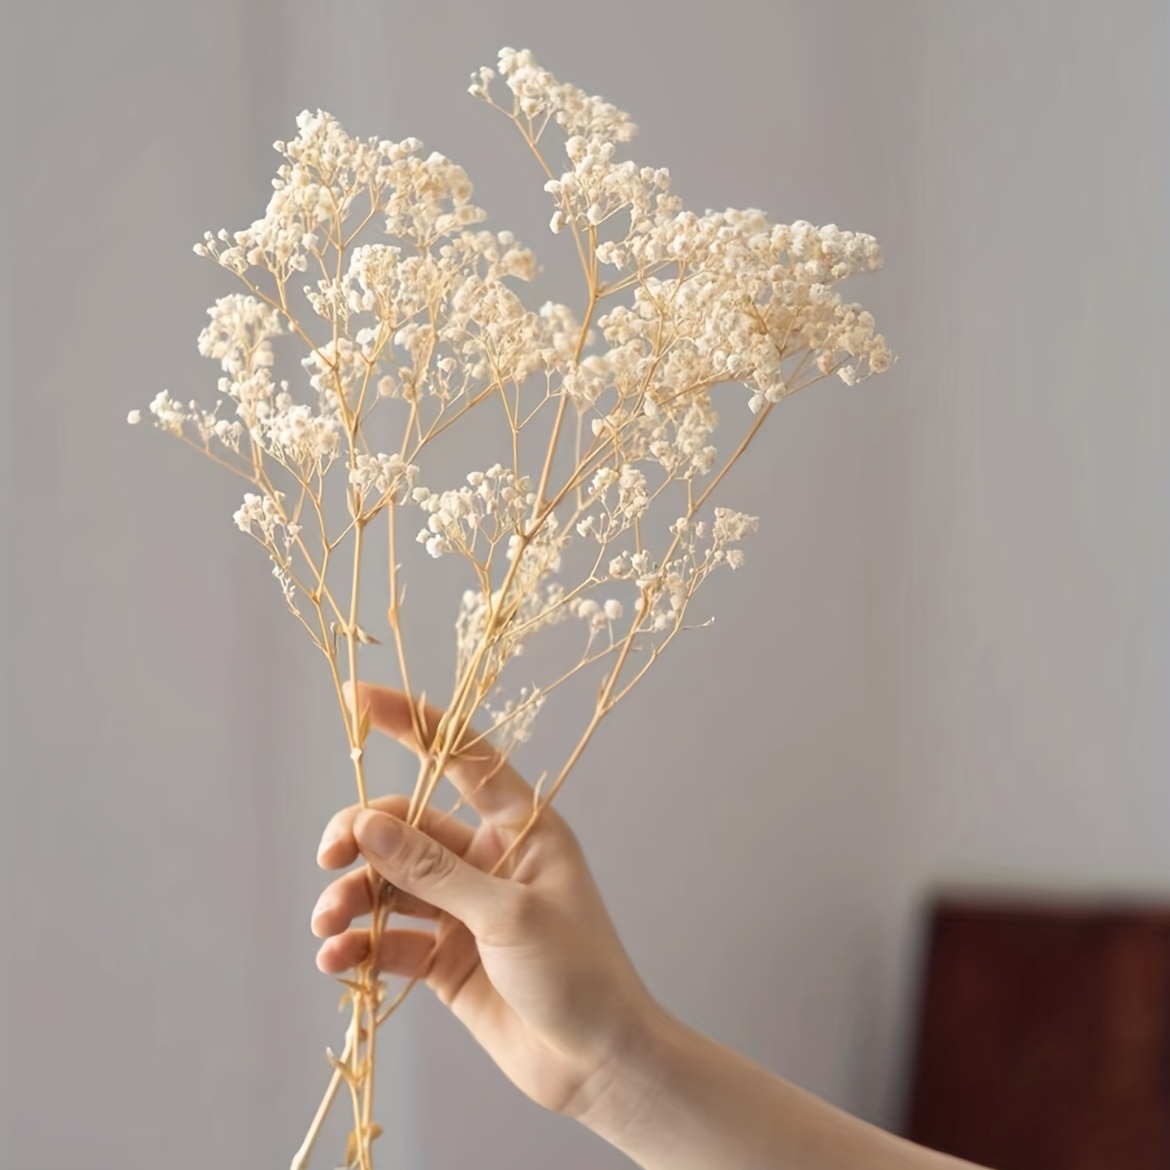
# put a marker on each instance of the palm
(520, 993)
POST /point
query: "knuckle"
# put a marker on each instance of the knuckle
(392, 804)
(526, 912)
(560, 833)
(428, 864)
(565, 833)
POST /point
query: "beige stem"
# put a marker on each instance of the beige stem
(301, 1157)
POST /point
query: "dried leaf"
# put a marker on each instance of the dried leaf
(339, 630)
(341, 1068)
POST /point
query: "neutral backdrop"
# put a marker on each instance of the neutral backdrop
(945, 660)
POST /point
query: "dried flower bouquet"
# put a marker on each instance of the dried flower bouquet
(598, 514)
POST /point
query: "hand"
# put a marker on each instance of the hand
(531, 964)
(533, 967)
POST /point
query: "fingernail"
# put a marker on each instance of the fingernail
(379, 834)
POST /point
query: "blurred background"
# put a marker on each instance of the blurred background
(943, 665)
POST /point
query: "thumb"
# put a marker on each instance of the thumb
(417, 863)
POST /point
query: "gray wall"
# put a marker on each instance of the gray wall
(1023, 592)
(155, 956)
(944, 660)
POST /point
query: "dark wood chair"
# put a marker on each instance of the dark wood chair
(1044, 1034)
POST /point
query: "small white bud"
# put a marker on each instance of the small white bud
(134, 417)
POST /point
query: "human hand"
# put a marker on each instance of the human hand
(530, 964)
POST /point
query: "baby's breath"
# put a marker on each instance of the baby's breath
(605, 520)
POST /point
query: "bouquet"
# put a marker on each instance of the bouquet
(598, 515)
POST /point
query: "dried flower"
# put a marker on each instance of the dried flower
(606, 518)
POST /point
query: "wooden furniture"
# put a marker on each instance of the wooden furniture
(1044, 1034)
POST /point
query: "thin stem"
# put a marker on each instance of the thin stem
(206, 450)
(366, 1135)
(392, 617)
(301, 1158)
(356, 739)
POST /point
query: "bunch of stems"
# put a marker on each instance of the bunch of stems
(332, 620)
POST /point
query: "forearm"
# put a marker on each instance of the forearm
(681, 1101)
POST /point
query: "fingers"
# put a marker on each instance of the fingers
(400, 952)
(419, 864)
(351, 896)
(491, 785)
(339, 849)
(448, 960)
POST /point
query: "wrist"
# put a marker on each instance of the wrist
(675, 1099)
(637, 1082)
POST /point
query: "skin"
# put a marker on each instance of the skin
(533, 967)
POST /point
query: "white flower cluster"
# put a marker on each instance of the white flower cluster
(240, 333)
(171, 416)
(389, 477)
(512, 722)
(730, 527)
(334, 370)
(296, 436)
(748, 292)
(664, 588)
(531, 605)
(747, 296)
(324, 172)
(490, 505)
(618, 511)
(501, 622)
(599, 615)
(537, 93)
(681, 303)
(597, 190)
(262, 517)
(239, 338)
(431, 198)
